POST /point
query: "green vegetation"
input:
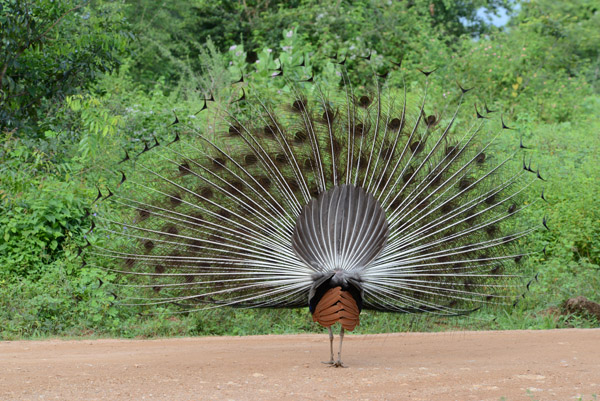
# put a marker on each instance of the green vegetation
(80, 81)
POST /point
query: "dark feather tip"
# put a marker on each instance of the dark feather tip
(504, 126)
(521, 146)
(123, 179)
(525, 165)
(536, 277)
(99, 196)
(146, 148)
(367, 57)
(543, 197)
(109, 194)
(399, 63)
(176, 121)
(210, 99)
(539, 176)
(204, 107)
(83, 262)
(156, 143)
(81, 248)
(463, 90)
(544, 251)
(478, 113)
(92, 227)
(544, 221)
(487, 110)
(176, 139)
(100, 282)
(125, 158)
(426, 73)
(239, 81)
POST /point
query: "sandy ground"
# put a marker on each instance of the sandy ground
(516, 365)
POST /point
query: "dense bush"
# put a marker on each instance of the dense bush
(171, 37)
(51, 49)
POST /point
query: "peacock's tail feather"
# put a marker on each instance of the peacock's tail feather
(270, 194)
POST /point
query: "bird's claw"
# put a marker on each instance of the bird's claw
(336, 364)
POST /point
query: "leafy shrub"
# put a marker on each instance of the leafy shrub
(36, 224)
(51, 49)
(171, 36)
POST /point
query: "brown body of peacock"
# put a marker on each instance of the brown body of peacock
(339, 200)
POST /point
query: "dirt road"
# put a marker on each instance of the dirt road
(516, 365)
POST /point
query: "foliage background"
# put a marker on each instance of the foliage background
(80, 80)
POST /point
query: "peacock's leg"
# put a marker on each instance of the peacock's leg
(338, 363)
(330, 346)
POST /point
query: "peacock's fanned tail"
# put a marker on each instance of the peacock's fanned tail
(268, 195)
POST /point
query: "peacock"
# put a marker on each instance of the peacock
(339, 198)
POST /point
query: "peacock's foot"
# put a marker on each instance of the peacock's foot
(338, 364)
(334, 364)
